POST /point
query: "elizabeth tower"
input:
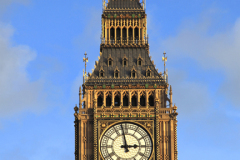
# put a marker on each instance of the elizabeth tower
(125, 109)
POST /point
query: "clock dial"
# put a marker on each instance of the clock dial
(126, 141)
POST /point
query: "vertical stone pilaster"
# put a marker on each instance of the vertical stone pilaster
(147, 103)
(172, 139)
(138, 97)
(157, 132)
(129, 97)
(164, 142)
(104, 98)
(113, 102)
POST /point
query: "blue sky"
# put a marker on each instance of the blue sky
(41, 48)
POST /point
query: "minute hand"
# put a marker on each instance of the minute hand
(125, 142)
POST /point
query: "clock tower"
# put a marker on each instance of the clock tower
(125, 107)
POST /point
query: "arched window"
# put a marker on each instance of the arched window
(139, 60)
(117, 100)
(148, 72)
(151, 100)
(99, 101)
(125, 61)
(133, 73)
(110, 61)
(142, 100)
(134, 100)
(108, 101)
(118, 35)
(130, 34)
(112, 35)
(125, 100)
(116, 73)
(124, 34)
(101, 72)
(136, 34)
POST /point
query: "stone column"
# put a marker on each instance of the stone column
(138, 98)
(113, 102)
(121, 98)
(172, 139)
(129, 98)
(104, 98)
(115, 32)
(121, 31)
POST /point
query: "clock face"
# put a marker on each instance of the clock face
(126, 141)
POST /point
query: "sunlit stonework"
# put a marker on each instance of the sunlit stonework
(125, 108)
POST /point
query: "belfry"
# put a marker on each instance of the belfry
(125, 107)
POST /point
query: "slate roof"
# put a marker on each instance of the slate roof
(122, 4)
(117, 54)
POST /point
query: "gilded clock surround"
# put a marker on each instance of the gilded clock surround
(148, 125)
(138, 93)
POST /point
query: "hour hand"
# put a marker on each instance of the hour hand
(130, 146)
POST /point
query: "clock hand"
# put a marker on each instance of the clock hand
(129, 146)
(125, 142)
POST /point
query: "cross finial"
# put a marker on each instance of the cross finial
(164, 59)
(85, 72)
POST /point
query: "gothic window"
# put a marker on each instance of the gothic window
(118, 35)
(151, 100)
(148, 73)
(124, 34)
(101, 72)
(124, 61)
(108, 101)
(133, 73)
(125, 99)
(139, 61)
(136, 31)
(142, 100)
(100, 99)
(134, 99)
(130, 34)
(110, 61)
(117, 100)
(112, 35)
(116, 73)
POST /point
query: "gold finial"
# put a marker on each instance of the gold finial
(85, 72)
(164, 59)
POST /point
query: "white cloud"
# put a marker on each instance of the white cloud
(191, 98)
(17, 94)
(219, 50)
(5, 3)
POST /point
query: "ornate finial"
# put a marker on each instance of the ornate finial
(164, 59)
(85, 72)
(76, 109)
(104, 4)
(170, 90)
(80, 90)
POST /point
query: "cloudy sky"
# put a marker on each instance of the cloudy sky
(41, 48)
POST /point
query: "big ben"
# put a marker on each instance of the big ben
(125, 107)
